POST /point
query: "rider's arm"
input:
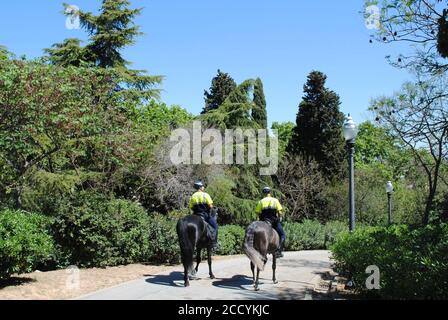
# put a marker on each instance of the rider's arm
(258, 208)
(190, 205)
(209, 201)
(279, 209)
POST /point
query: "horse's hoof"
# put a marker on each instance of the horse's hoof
(212, 276)
(275, 282)
(187, 285)
(257, 289)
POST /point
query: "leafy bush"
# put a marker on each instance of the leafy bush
(413, 262)
(24, 242)
(311, 235)
(163, 240)
(231, 239)
(94, 230)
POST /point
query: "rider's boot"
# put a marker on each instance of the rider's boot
(279, 252)
(215, 244)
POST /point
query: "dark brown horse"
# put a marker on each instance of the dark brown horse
(261, 239)
(194, 236)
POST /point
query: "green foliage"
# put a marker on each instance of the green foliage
(234, 208)
(95, 230)
(52, 127)
(318, 133)
(285, 132)
(111, 31)
(376, 146)
(235, 111)
(413, 262)
(231, 238)
(24, 242)
(163, 240)
(311, 235)
(259, 112)
(222, 86)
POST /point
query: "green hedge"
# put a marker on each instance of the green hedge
(231, 239)
(413, 262)
(163, 240)
(24, 242)
(92, 230)
(311, 235)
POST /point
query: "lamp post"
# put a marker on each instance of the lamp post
(350, 133)
(390, 191)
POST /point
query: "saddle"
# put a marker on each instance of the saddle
(209, 229)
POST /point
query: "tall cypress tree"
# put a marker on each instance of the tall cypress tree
(318, 133)
(222, 86)
(110, 31)
(259, 113)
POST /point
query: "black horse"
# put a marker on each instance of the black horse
(194, 234)
(261, 239)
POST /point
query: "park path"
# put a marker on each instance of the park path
(297, 273)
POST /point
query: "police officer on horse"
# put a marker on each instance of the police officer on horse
(270, 210)
(201, 203)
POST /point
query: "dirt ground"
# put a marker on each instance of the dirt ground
(63, 284)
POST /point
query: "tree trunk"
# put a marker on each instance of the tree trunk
(429, 205)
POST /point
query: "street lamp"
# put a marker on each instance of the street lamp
(350, 133)
(390, 191)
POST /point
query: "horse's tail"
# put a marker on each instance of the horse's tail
(248, 247)
(187, 239)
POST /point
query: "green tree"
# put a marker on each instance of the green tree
(285, 131)
(421, 23)
(235, 110)
(259, 113)
(46, 124)
(417, 114)
(318, 134)
(376, 146)
(222, 86)
(110, 31)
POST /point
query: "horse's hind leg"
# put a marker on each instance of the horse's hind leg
(198, 261)
(256, 280)
(252, 267)
(209, 254)
(186, 276)
(274, 267)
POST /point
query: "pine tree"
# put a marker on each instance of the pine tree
(222, 86)
(318, 133)
(259, 113)
(67, 53)
(109, 33)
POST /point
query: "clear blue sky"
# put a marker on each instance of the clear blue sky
(187, 41)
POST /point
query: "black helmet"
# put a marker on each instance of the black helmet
(198, 185)
(267, 190)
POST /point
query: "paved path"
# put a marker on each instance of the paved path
(297, 272)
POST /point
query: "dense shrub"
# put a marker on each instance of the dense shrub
(163, 240)
(413, 262)
(231, 239)
(311, 235)
(93, 230)
(24, 242)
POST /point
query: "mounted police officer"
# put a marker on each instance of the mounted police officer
(270, 210)
(201, 203)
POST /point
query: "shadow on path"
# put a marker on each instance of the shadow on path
(236, 282)
(167, 280)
